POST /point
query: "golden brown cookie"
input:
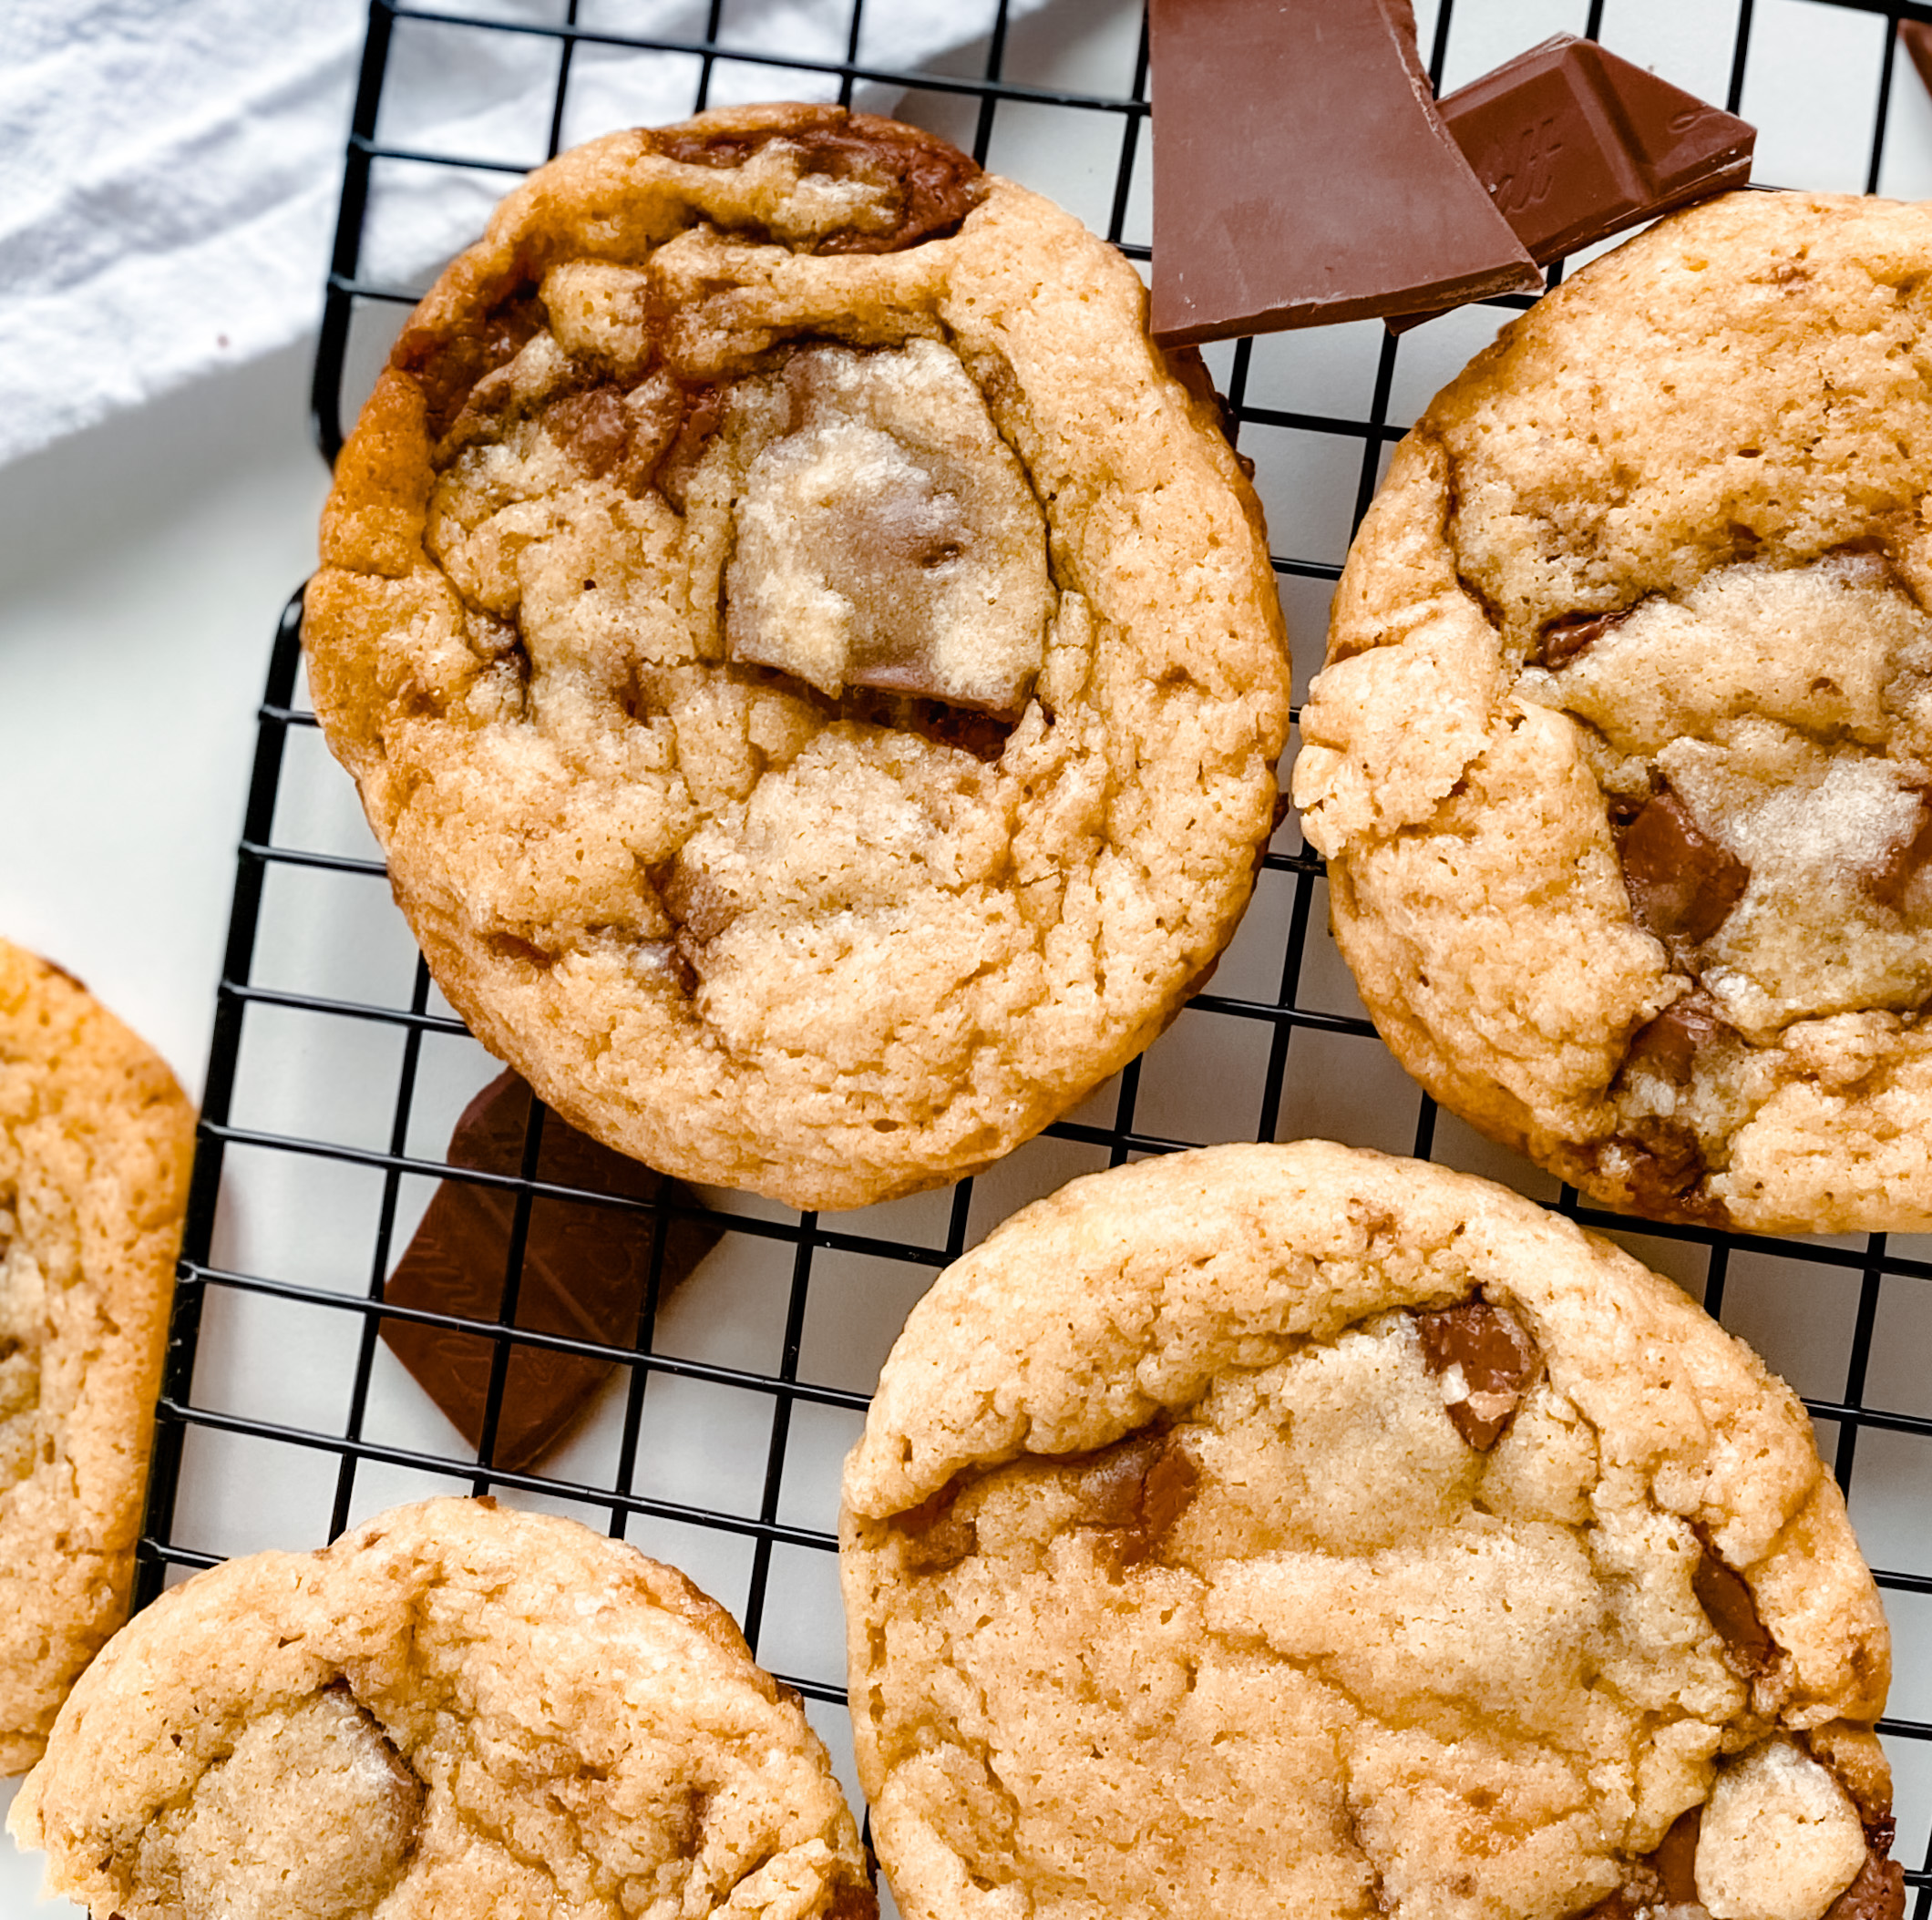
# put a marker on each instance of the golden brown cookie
(814, 668)
(1622, 758)
(1290, 1529)
(95, 1143)
(458, 1710)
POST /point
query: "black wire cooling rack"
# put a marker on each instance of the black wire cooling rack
(336, 1069)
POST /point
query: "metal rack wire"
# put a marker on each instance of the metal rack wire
(1278, 1048)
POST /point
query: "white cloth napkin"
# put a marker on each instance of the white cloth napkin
(170, 170)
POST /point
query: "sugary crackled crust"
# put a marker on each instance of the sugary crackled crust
(456, 1711)
(1175, 1582)
(745, 931)
(1665, 541)
(95, 1143)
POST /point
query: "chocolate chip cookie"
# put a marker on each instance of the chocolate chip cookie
(812, 663)
(1269, 1530)
(458, 1710)
(1622, 758)
(95, 1143)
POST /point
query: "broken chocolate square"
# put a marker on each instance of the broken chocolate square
(584, 1273)
(1575, 144)
(1915, 38)
(1302, 175)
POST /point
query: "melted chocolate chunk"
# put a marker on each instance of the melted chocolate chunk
(585, 1270)
(1887, 883)
(593, 425)
(1667, 1165)
(1132, 1492)
(687, 1829)
(1682, 883)
(1497, 1359)
(852, 1901)
(512, 947)
(1560, 640)
(448, 364)
(1620, 1905)
(1666, 1876)
(1674, 1861)
(937, 1538)
(1726, 1597)
(1137, 1488)
(609, 438)
(1877, 1894)
(1671, 1042)
(937, 185)
(703, 412)
(984, 735)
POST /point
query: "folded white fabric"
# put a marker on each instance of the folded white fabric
(172, 166)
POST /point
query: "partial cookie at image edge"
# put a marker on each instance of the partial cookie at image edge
(95, 1139)
(1585, 933)
(460, 1706)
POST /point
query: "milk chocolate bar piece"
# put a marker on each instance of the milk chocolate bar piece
(1576, 144)
(585, 1268)
(1302, 175)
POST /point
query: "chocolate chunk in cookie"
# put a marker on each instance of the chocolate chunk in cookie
(1483, 1360)
(1725, 1595)
(1562, 639)
(924, 185)
(886, 536)
(1683, 882)
(1903, 858)
(1670, 1043)
(1879, 1892)
(1136, 1490)
(936, 1538)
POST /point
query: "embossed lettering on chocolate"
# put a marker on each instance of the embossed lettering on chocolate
(1576, 144)
(812, 663)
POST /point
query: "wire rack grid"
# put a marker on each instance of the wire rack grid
(336, 1068)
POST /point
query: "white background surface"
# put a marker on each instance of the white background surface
(143, 565)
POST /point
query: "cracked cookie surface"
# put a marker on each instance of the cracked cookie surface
(812, 665)
(1293, 1529)
(1622, 759)
(457, 1710)
(95, 1143)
